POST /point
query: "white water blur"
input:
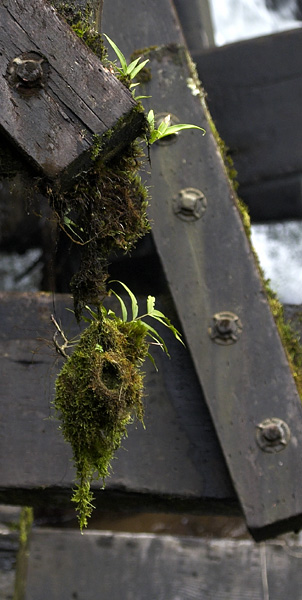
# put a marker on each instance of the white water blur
(279, 248)
(235, 20)
(278, 245)
(22, 272)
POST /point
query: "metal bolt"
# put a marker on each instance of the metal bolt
(272, 435)
(226, 328)
(190, 204)
(27, 72)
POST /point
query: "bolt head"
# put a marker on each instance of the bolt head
(27, 73)
(190, 204)
(272, 435)
(226, 328)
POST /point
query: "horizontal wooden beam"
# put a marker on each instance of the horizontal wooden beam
(254, 92)
(179, 466)
(163, 567)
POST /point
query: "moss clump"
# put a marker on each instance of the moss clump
(290, 340)
(81, 20)
(98, 392)
(25, 525)
(104, 212)
(224, 151)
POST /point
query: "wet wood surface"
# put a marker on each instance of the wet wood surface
(210, 268)
(53, 120)
(179, 464)
(113, 565)
(254, 90)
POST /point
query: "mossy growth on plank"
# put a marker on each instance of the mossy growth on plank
(98, 393)
(104, 212)
(100, 388)
(289, 338)
(81, 20)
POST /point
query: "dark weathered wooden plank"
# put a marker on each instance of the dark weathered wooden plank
(54, 127)
(148, 24)
(254, 92)
(210, 267)
(111, 566)
(179, 465)
(196, 23)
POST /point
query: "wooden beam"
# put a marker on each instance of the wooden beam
(179, 465)
(162, 567)
(210, 269)
(53, 118)
(254, 92)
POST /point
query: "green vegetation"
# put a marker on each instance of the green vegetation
(164, 129)
(127, 72)
(105, 211)
(81, 20)
(25, 525)
(100, 388)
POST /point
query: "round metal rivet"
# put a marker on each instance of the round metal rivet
(27, 73)
(190, 204)
(272, 435)
(226, 328)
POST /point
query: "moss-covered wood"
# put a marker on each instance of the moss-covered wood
(104, 212)
(98, 392)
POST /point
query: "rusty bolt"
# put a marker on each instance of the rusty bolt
(226, 328)
(27, 72)
(272, 435)
(190, 204)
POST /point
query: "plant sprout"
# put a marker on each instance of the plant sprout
(164, 129)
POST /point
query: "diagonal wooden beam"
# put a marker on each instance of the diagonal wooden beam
(218, 293)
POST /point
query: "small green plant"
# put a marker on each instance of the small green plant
(127, 72)
(100, 388)
(164, 129)
(152, 312)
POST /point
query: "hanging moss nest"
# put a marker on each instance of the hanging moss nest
(103, 213)
(98, 393)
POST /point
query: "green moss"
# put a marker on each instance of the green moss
(25, 525)
(104, 212)
(98, 392)
(246, 220)
(290, 339)
(224, 151)
(81, 20)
